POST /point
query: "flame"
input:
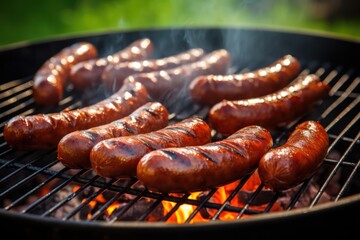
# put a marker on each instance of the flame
(183, 212)
(188, 213)
(220, 197)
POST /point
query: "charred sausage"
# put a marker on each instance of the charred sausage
(74, 148)
(199, 168)
(88, 73)
(118, 157)
(269, 111)
(297, 160)
(211, 89)
(50, 80)
(114, 74)
(42, 131)
(165, 83)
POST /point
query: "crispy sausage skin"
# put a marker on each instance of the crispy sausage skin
(114, 74)
(51, 78)
(269, 111)
(211, 89)
(44, 131)
(88, 73)
(74, 148)
(297, 160)
(162, 84)
(199, 168)
(118, 157)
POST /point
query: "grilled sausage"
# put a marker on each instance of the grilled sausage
(44, 131)
(114, 74)
(269, 111)
(211, 89)
(297, 160)
(74, 148)
(163, 84)
(118, 157)
(88, 73)
(51, 78)
(199, 168)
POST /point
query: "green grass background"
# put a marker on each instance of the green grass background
(22, 20)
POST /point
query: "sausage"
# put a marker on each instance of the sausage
(211, 89)
(200, 168)
(118, 157)
(165, 83)
(88, 73)
(269, 111)
(44, 131)
(74, 148)
(297, 160)
(50, 79)
(114, 74)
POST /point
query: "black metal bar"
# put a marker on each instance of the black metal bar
(29, 193)
(37, 158)
(14, 186)
(54, 190)
(335, 169)
(201, 205)
(230, 197)
(296, 197)
(128, 205)
(69, 197)
(346, 94)
(103, 208)
(5, 87)
(88, 199)
(175, 208)
(150, 208)
(347, 182)
(247, 205)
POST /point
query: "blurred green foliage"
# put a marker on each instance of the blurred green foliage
(22, 20)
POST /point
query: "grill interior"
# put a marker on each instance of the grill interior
(34, 183)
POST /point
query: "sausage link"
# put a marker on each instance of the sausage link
(51, 78)
(269, 111)
(74, 148)
(114, 74)
(211, 89)
(163, 84)
(200, 168)
(44, 131)
(88, 73)
(297, 160)
(118, 157)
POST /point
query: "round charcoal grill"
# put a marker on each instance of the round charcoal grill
(39, 197)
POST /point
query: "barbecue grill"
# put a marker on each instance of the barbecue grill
(41, 198)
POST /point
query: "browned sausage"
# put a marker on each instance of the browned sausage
(42, 131)
(88, 73)
(52, 76)
(272, 110)
(166, 83)
(74, 148)
(297, 160)
(114, 74)
(199, 168)
(211, 89)
(118, 157)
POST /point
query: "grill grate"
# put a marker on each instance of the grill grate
(35, 183)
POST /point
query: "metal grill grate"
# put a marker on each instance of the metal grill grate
(33, 182)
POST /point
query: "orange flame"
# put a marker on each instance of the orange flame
(180, 213)
(220, 197)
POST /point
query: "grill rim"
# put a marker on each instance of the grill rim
(318, 210)
(287, 30)
(308, 216)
